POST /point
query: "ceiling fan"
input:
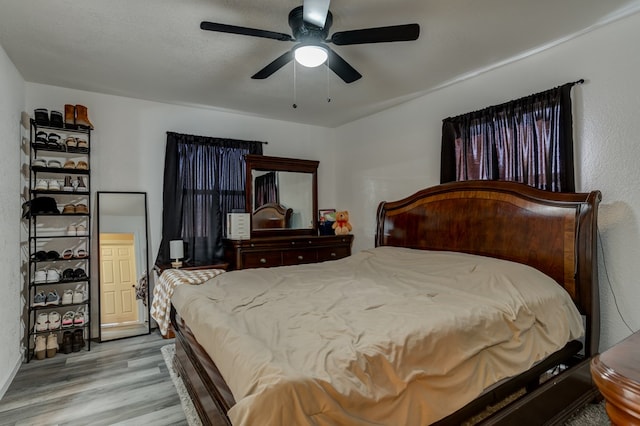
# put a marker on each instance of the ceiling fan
(310, 25)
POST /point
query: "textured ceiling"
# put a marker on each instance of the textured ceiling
(155, 50)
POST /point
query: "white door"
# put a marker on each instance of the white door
(117, 279)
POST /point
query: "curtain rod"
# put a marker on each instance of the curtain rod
(214, 137)
(581, 81)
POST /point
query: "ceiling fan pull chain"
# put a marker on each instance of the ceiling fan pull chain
(294, 85)
(328, 82)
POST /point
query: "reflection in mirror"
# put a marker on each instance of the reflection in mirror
(123, 264)
(288, 190)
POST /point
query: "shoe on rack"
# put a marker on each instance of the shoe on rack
(42, 185)
(40, 277)
(39, 162)
(54, 185)
(68, 209)
(67, 342)
(67, 319)
(39, 299)
(41, 116)
(81, 230)
(52, 345)
(79, 317)
(81, 185)
(42, 322)
(53, 276)
(68, 185)
(79, 294)
(67, 296)
(70, 116)
(54, 320)
(52, 298)
(79, 274)
(56, 119)
(81, 208)
(77, 340)
(82, 117)
(41, 347)
(68, 275)
(71, 230)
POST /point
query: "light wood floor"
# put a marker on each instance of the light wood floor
(124, 382)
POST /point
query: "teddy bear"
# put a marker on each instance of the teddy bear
(342, 225)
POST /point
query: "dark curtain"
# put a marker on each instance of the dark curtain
(529, 140)
(265, 190)
(204, 179)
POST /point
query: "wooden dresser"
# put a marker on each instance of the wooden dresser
(265, 252)
(616, 372)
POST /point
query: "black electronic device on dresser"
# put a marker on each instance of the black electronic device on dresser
(282, 200)
(57, 212)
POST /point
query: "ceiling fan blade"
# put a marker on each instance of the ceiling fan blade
(405, 32)
(315, 12)
(232, 29)
(341, 67)
(274, 66)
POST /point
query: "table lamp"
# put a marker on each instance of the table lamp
(176, 252)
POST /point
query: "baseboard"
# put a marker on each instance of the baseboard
(12, 375)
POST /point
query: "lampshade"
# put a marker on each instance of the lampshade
(310, 56)
(176, 249)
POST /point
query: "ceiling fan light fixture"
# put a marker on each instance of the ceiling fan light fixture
(311, 55)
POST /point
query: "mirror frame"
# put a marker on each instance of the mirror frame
(146, 262)
(281, 164)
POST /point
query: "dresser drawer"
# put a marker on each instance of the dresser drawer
(296, 257)
(263, 259)
(333, 253)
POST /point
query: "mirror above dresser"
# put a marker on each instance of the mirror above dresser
(282, 195)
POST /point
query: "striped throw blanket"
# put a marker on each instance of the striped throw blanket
(163, 290)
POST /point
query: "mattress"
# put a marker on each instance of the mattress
(387, 336)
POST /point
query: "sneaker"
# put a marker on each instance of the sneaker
(41, 347)
(54, 320)
(52, 345)
(54, 185)
(67, 319)
(40, 277)
(81, 230)
(39, 299)
(52, 298)
(42, 185)
(71, 230)
(67, 297)
(68, 186)
(42, 322)
(79, 317)
(53, 276)
(79, 295)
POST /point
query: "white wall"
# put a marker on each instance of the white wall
(11, 280)
(394, 153)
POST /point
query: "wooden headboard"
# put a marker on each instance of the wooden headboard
(552, 232)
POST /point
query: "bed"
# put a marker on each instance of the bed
(472, 226)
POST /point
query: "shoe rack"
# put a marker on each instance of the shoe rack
(58, 212)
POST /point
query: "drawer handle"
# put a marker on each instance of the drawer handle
(263, 260)
(333, 254)
(300, 257)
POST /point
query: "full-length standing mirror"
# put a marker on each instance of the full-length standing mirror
(123, 264)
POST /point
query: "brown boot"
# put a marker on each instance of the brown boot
(70, 116)
(82, 117)
(52, 345)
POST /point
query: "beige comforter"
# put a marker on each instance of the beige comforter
(388, 336)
